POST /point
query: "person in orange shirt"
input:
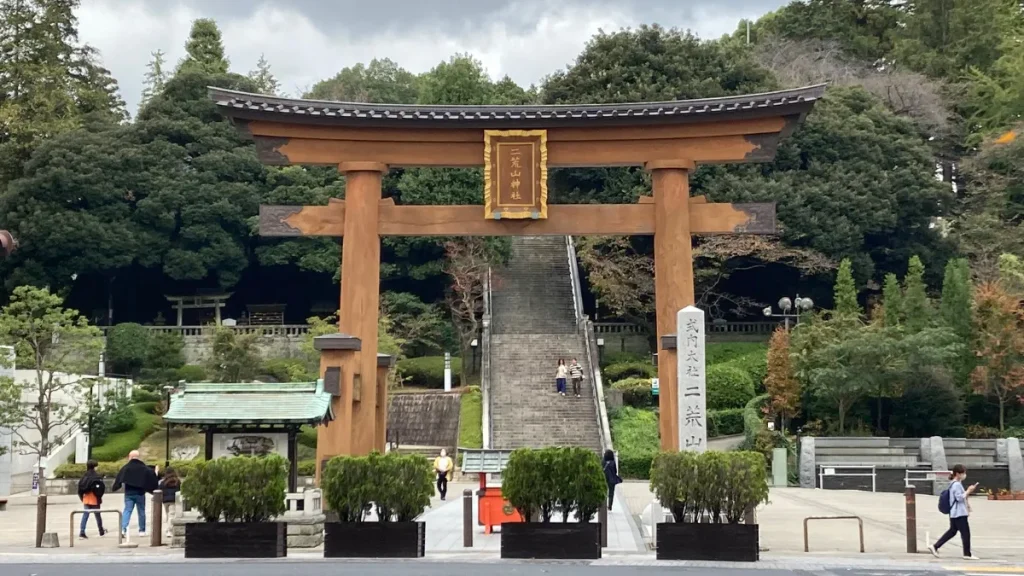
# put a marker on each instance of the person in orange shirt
(90, 492)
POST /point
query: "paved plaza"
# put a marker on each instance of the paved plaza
(996, 526)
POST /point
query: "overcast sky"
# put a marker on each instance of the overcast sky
(309, 40)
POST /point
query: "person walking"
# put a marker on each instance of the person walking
(169, 486)
(138, 480)
(443, 466)
(90, 492)
(959, 509)
(576, 373)
(560, 375)
(611, 476)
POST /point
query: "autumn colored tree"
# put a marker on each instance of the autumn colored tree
(780, 382)
(468, 263)
(998, 346)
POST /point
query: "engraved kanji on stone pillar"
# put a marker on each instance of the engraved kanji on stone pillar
(691, 380)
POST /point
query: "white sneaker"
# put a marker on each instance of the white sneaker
(932, 549)
(142, 534)
(971, 557)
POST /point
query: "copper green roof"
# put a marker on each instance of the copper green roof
(251, 403)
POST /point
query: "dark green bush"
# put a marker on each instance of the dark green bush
(117, 445)
(609, 358)
(110, 469)
(543, 482)
(728, 387)
(722, 352)
(239, 489)
(711, 486)
(755, 364)
(428, 371)
(287, 370)
(140, 395)
(752, 418)
(399, 485)
(622, 371)
(127, 348)
(307, 468)
(636, 392)
(147, 407)
(725, 422)
(637, 466)
(346, 482)
(192, 373)
(307, 437)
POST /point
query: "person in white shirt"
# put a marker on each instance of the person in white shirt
(560, 375)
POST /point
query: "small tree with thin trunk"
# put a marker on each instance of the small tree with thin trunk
(998, 346)
(780, 382)
(468, 261)
(58, 345)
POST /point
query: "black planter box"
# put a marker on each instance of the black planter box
(551, 541)
(236, 540)
(375, 539)
(722, 542)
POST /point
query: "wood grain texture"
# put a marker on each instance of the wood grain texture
(335, 437)
(381, 407)
(360, 298)
(673, 283)
(574, 220)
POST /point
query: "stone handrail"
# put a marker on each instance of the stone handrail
(208, 330)
(485, 363)
(584, 324)
(762, 328)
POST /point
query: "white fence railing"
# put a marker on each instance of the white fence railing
(289, 330)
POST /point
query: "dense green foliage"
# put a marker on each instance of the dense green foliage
(240, 489)
(117, 445)
(552, 481)
(728, 387)
(710, 487)
(471, 415)
(398, 485)
(624, 370)
(428, 371)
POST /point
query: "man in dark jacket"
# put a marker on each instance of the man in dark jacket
(138, 480)
(90, 492)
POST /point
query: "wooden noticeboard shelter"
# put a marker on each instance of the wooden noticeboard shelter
(667, 138)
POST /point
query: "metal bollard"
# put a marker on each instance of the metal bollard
(155, 537)
(602, 518)
(911, 498)
(40, 519)
(467, 518)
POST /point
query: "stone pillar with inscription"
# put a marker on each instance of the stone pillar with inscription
(691, 380)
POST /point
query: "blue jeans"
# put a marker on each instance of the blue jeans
(137, 501)
(85, 519)
(560, 385)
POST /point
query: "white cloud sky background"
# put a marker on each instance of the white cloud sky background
(306, 41)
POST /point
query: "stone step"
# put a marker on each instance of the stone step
(868, 457)
(859, 451)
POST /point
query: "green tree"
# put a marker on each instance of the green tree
(459, 80)
(156, 77)
(264, 79)
(127, 348)
(955, 304)
(233, 357)
(845, 292)
(1011, 274)
(892, 299)
(381, 81)
(863, 28)
(58, 345)
(204, 49)
(917, 308)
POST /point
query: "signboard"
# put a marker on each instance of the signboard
(515, 174)
(654, 387)
(692, 388)
(256, 443)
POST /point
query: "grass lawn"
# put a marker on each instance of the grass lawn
(471, 417)
(118, 445)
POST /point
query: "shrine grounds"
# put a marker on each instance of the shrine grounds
(996, 527)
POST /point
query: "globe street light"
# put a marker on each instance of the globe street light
(798, 306)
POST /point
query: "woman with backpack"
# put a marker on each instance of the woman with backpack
(169, 487)
(953, 501)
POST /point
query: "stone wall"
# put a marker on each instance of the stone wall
(424, 419)
(197, 347)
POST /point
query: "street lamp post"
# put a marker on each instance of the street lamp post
(798, 305)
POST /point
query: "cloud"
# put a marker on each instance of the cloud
(306, 41)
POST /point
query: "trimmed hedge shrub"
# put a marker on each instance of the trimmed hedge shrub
(755, 364)
(117, 446)
(636, 392)
(307, 437)
(728, 387)
(709, 487)
(287, 370)
(307, 467)
(192, 373)
(399, 485)
(752, 422)
(609, 358)
(428, 371)
(637, 440)
(182, 467)
(140, 395)
(636, 466)
(239, 489)
(625, 370)
(725, 422)
(723, 352)
(554, 480)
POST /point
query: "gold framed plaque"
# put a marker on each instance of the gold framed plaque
(515, 174)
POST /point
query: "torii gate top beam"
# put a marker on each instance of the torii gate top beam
(743, 128)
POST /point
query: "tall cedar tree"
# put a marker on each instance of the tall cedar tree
(781, 382)
(204, 49)
(264, 79)
(845, 292)
(917, 309)
(892, 299)
(156, 77)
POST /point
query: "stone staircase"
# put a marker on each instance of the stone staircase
(533, 324)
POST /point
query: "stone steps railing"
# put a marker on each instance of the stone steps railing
(290, 330)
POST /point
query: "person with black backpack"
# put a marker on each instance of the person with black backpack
(90, 492)
(953, 501)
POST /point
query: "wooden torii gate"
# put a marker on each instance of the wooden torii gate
(516, 145)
